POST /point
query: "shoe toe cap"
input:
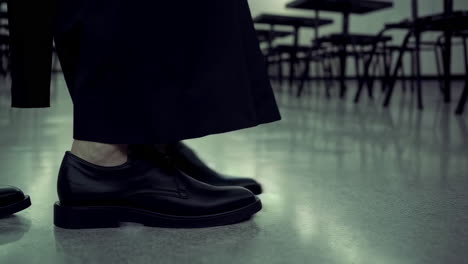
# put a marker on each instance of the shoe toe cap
(10, 195)
(247, 183)
(238, 197)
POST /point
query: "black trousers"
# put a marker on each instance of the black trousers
(161, 71)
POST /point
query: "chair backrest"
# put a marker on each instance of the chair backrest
(448, 8)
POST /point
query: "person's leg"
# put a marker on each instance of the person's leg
(100, 153)
(138, 99)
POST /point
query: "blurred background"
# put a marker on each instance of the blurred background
(371, 23)
(368, 165)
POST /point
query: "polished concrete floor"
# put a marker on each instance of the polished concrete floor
(343, 183)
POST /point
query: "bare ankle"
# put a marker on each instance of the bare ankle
(99, 153)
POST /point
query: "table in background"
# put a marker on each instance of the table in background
(268, 35)
(446, 52)
(345, 7)
(295, 22)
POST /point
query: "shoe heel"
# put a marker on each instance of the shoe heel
(83, 217)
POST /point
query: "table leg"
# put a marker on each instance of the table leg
(316, 36)
(447, 54)
(414, 9)
(293, 59)
(270, 38)
(342, 52)
(398, 64)
(464, 97)
(461, 104)
(418, 69)
(280, 68)
(316, 28)
(448, 6)
(446, 63)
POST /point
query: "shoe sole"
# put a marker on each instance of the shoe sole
(110, 216)
(16, 207)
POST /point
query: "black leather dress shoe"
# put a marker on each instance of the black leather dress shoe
(188, 161)
(151, 192)
(12, 200)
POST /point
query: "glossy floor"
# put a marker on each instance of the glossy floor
(343, 183)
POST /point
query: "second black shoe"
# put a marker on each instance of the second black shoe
(12, 200)
(188, 161)
(153, 193)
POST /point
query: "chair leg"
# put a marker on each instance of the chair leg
(391, 83)
(3, 71)
(413, 71)
(367, 66)
(372, 77)
(387, 66)
(418, 71)
(464, 96)
(305, 74)
(292, 63)
(447, 60)
(326, 77)
(356, 64)
(342, 75)
(437, 49)
(280, 69)
(317, 70)
(403, 80)
(461, 104)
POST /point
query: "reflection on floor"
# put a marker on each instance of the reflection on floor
(344, 183)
